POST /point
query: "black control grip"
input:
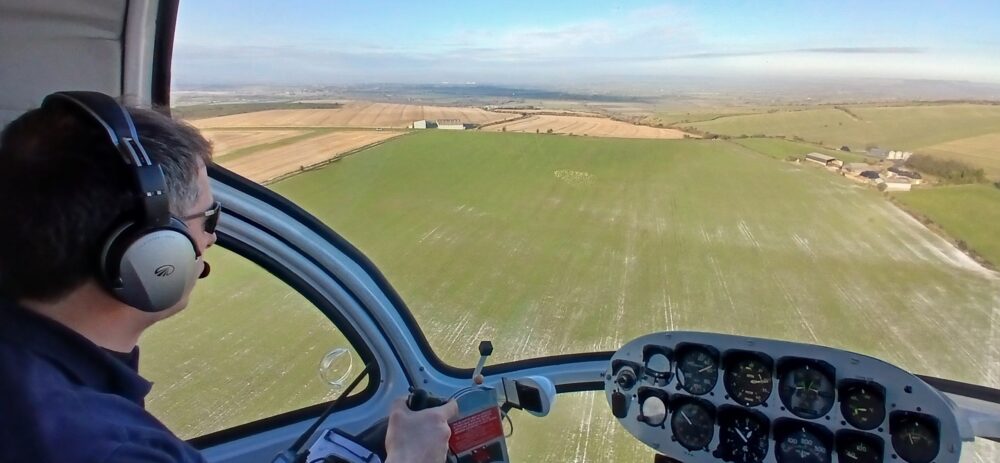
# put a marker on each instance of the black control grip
(420, 400)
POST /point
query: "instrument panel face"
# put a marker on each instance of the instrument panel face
(701, 397)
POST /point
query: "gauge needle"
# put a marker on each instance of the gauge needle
(687, 419)
(742, 436)
(705, 369)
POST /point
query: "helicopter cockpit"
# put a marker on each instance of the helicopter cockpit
(641, 386)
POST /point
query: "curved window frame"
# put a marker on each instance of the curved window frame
(331, 312)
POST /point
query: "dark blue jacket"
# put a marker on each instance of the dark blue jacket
(64, 399)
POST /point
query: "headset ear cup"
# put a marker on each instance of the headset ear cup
(150, 270)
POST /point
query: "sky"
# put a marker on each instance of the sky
(329, 42)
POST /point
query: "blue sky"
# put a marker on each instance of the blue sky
(523, 42)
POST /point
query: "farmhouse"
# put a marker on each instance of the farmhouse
(825, 160)
(899, 155)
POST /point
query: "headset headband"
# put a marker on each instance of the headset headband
(148, 178)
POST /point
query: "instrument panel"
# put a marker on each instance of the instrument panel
(704, 397)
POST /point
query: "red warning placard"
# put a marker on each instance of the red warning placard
(475, 430)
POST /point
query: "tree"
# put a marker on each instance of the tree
(548, 131)
(503, 129)
(845, 148)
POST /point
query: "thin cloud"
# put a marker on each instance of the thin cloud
(828, 50)
(866, 50)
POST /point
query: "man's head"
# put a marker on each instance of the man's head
(64, 189)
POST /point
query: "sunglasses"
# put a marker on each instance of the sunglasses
(211, 217)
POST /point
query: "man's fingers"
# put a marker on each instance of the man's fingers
(450, 409)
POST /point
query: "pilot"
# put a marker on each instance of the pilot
(71, 313)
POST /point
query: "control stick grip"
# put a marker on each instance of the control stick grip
(420, 399)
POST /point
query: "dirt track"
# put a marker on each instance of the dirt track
(356, 114)
(590, 126)
(270, 164)
(227, 141)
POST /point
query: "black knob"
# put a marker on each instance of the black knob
(619, 404)
(626, 379)
(485, 348)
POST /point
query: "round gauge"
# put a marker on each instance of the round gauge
(653, 410)
(742, 438)
(693, 425)
(697, 371)
(807, 392)
(802, 446)
(659, 367)
(914, 440)
(863, 406)
(859, 448)
(748, 381)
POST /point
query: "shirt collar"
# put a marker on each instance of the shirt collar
(83, 361)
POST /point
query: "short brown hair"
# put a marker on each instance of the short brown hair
(63, 187)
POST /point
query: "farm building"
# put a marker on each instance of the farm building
(825, 160)
(899, 155)
(450, 124)
(423, 124)
(870, 174)
(896, 184)
(905, 173)
(857, 167)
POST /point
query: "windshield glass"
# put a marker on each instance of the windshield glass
(564, 177)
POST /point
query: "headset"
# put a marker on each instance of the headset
(150, 260)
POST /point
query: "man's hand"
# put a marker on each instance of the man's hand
(418, 437)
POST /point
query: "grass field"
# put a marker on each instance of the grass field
(982, 151)
(970, 213)
(551, 245)
(781, 149)
(966, 132)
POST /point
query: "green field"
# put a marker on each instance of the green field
(781, 149)
(982, 151)
(970, 213)
(550, 245)
(955, 131)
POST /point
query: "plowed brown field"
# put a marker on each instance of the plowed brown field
(356, 114)
(590, 126)
(227, 141)
(273, 163)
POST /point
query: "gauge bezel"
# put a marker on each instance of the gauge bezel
(733, 357)
(925, 419)
(681, 351)
(656, 377)
(788, 364)
(785, 426)
(618, 365)
(844, 435)
(645, 393)
(843, 396)
(730, 413)
(680, 401)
